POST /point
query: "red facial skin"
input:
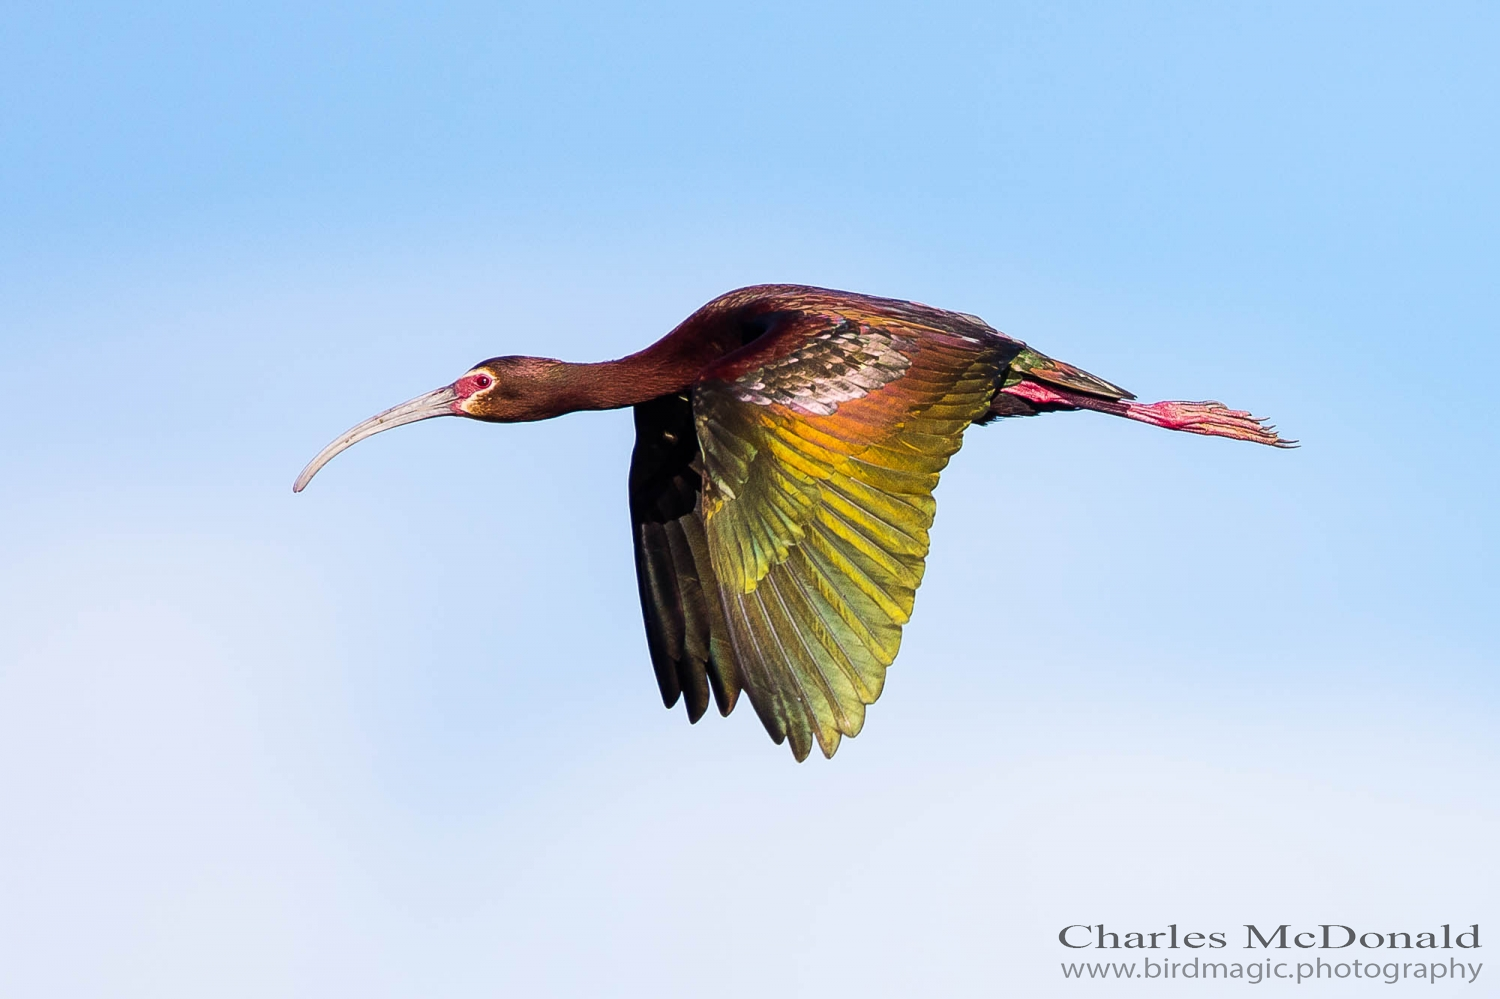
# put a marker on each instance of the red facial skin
(467, 386)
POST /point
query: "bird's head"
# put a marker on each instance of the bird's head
(499, 390)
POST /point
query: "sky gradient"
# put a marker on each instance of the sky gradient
(399, 734)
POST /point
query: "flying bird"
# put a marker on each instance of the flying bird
(788, 441)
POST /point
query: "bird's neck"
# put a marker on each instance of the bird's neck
(662, 368)
(669, 365)
(612, 384)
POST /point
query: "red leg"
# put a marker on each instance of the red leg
(1212, 418)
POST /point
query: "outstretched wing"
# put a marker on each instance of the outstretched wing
(679, 598)
(821, 446)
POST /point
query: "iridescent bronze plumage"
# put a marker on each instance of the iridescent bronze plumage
(788, 441)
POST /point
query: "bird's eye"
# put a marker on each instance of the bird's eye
(484, 381)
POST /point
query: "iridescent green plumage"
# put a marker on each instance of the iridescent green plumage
(821, 443)
(817, 529)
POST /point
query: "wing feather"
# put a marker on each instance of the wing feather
(679, 597)
(819, 468)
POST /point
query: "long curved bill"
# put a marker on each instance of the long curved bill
(424, 407)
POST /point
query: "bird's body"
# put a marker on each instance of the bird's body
(788, 441)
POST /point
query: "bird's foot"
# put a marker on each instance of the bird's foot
(1212, 418)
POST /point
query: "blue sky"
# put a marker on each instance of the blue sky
(399, 735)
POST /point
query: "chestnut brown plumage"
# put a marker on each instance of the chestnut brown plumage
(788, 441)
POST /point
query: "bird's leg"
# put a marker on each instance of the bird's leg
(1212, 418)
